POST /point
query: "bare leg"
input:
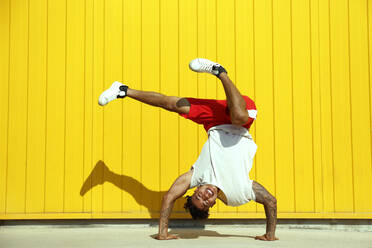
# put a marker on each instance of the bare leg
(170, 103)
(235, 101)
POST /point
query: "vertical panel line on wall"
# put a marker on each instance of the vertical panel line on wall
(312, 102)
(197, 55)
(84, 104)
(205, 45)
(84, 95)
(141, 115)
(122, 104)
(369, 78)
(197, 44)
(331, 100)
(320, 115)
(7, 138)
(293, 141)
(64, 140)
(178, 88)
(350, 105)
(216, 21)
(91, 145)
(46, 95)
(160, 90)
(235, 74)
(103, 86)
(27, 97)
(216, 44)
(254, 76)
(273, 83)
(235, 41)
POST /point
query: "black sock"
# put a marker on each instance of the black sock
(123, 88)
(220, 69)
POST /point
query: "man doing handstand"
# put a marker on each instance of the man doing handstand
(222, 169)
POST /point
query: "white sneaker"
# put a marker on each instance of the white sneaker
(205, 65)
(116, 90)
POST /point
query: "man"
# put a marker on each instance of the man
(222, 169)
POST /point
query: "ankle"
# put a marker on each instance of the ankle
(221, 71)
(130, 92)
(123, 91)
(222, 75)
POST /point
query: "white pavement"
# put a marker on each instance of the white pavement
(212, 237)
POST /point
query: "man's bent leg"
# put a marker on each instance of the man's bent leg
(170, 103)
(235, 101)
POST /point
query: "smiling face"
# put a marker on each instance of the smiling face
(205, 196)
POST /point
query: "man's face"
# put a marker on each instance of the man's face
(204, 196)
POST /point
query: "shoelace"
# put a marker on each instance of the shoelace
(207, 67)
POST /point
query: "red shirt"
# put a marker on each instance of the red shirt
(211, 112)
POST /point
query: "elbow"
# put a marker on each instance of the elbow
(168, 198)
(272, 203)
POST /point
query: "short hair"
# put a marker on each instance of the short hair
(196, 213)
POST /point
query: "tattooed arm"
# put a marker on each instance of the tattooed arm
(269, 202)
(178, 189)
(166, 210)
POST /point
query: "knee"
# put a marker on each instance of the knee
(168, 103)
(175, 104)
(239, 118)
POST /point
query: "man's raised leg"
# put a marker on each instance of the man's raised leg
(170, 103)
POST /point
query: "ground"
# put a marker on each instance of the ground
(141, 236)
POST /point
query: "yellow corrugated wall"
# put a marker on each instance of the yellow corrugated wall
(306, 63)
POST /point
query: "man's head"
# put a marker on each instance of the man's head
(198, 204)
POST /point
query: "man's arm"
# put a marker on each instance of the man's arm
(269, 202)
(178, 189)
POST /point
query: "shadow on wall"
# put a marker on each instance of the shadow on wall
(101, 174)
(143, 196)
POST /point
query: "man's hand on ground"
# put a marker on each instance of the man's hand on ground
(168, 237)
(266, 237)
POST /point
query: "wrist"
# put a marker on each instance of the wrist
(161, 237)
(163, 233)
(270, 235)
